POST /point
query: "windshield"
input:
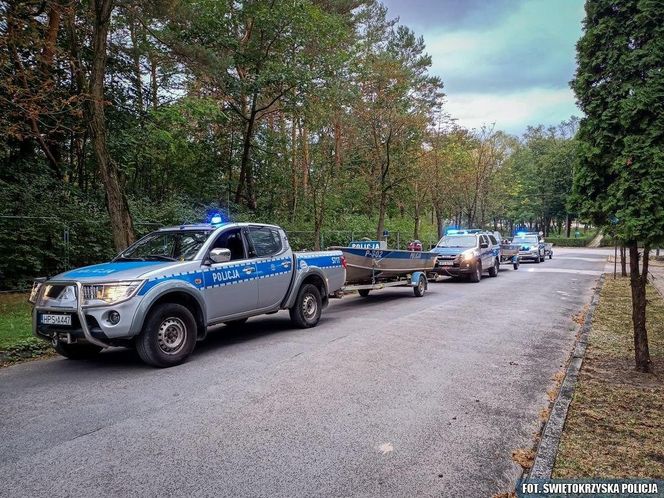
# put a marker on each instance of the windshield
(526, 239)
(166, 246)
(458, 241)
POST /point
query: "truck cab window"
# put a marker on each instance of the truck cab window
(264, 241)
(231, 240)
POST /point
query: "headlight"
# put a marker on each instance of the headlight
(469, 255)
(112, 293)
(36, 287)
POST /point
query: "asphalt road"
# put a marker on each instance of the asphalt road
(390, 395)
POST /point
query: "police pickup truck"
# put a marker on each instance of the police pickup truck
(162, 293)
(467, 253)
(532, 247)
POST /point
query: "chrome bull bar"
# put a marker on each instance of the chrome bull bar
(79, 310)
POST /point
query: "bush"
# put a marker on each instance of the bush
(568, 242)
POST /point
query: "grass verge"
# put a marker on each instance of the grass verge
(16, 340)
(615, 425)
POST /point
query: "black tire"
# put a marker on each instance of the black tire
(306, 311)
(476, 275)
(168, 336)
(493, 271)
(236, 324)
(77, 351)
(364, 292)
(421, 286)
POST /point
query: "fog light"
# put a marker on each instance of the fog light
(113, 317)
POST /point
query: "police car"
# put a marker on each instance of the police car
(467, 253)
(162, 293)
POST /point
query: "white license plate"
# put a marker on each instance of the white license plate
(446, 263)
(56, 319)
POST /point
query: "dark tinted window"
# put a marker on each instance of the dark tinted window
(493, 240)
(231, 240)
(264, 241)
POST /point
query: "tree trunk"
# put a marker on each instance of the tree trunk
(304, 138)
(623, 261)
(294, 182)
(116, 202)
(246, 175)
(381, 215)
(638, 280)
(136, 61)
(439, 220)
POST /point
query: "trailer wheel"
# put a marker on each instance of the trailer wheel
(76, 351)
(421, 286)
(169, 336)
(476, 276)
(306, 311)
(364, 292)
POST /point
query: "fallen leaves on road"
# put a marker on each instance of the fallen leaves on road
(524, 457)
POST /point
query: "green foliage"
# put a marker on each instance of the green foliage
(15, 321)
(569, 242)
(619, 86)
(322, 117)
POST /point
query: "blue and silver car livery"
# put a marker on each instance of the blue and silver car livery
(165, 291)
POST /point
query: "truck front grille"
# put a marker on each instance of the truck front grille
(58, 296)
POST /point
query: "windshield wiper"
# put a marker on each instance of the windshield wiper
(125, 258)
(160, 257)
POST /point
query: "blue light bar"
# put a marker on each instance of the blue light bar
(216, 218)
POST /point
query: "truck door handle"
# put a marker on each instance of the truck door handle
(249, 270)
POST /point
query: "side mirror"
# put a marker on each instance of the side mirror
(484, 245)
(220, 255)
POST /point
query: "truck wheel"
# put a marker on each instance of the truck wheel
(476, 276)
(236, 324)
(421, 286)
(77, 351)
(168, 337)
(364, 292)
(306, 311)
(493, 271)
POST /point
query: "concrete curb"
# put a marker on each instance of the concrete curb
(548, 445)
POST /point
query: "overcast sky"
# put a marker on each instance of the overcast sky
(502, 61)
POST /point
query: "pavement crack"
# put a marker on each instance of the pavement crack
(337, 338)
(86, 433)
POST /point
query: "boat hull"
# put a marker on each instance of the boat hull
(372, 265)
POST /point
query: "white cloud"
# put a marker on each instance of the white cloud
(514, 72)
(513, 111)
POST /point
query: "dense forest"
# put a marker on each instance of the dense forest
(320, 115)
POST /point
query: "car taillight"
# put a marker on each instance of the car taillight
(343, 262)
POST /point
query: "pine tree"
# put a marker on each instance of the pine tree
(619, 180)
